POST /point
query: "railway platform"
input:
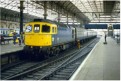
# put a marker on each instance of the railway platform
(10, 47)
(103, 62)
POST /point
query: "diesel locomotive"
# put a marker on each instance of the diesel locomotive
(52, 37)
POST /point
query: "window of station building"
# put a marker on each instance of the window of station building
(45, 28)
(1, 31)
(6, 32)
(36, 28)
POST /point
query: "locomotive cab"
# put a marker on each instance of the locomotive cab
(39, 33)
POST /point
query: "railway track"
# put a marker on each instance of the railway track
(16, 69)
(54, 68)
(67, 69)
(10, 70)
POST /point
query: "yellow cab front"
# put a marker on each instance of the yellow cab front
(39, 34)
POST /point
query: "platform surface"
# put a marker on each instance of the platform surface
(103, 62)
(8, 48)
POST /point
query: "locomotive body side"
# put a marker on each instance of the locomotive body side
(63, 36)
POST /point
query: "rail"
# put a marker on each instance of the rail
(45, 71)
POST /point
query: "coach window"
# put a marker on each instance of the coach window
(45, 28)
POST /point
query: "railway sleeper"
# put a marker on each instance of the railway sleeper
(25, 78)
(60, 76)
(10, 71)
(6, 74)
(65, 74)
(37, 74)
(56, 78)
(33, 77)
(66, 71)
(30, 76)
(54, 66)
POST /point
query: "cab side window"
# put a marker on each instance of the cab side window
(53, 29)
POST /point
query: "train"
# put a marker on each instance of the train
(6, 34)
(52, 37)
(6, 31)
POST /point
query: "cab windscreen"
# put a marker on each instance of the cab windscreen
(45, 28)
(36, 28)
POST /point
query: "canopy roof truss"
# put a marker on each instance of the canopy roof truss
(95, 10)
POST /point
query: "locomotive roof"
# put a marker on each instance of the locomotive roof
(49, 21)
(43, 20)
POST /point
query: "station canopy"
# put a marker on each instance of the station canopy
(95, 10)
(100, 10)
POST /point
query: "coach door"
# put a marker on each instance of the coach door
(73, 33)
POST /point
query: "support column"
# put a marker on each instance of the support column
(80, 23)
(59, 13)
(58, 17)
(67, 18)
(110, 30)
(21, 16)
(45, 10)
(73, 19)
